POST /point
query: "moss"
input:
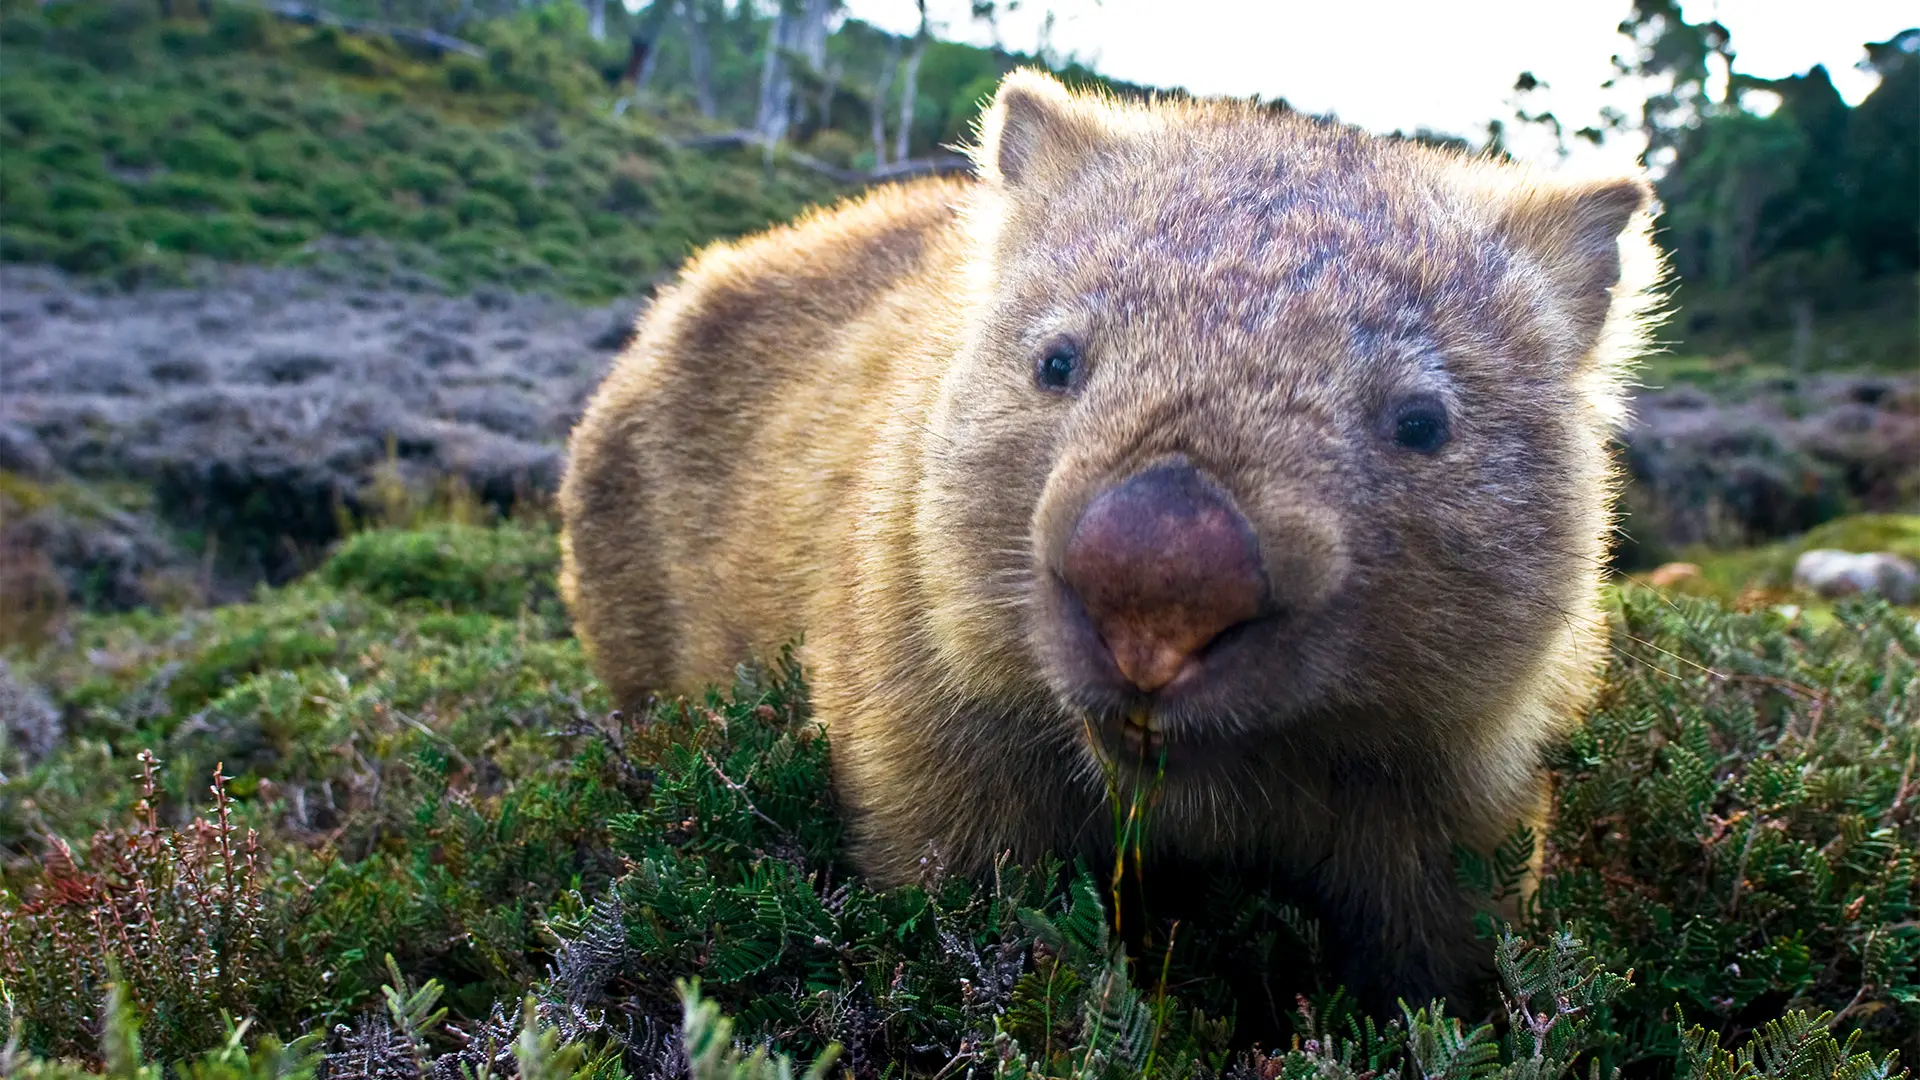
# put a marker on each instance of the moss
(205, 151)
(1763, 576)
(490, 570)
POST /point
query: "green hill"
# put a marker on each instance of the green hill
(134, 145)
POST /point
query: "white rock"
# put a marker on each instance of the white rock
(1844, 573)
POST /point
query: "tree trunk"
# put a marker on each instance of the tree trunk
(910, 90)
(700, 56)
(810, 36)
(829, 83)
(880, 93)
(646, 34)
(597, 19)
(810, 45)
(776, 83)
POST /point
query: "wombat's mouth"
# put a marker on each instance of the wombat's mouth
(1143, 739)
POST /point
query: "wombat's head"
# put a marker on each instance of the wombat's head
(1266, 429)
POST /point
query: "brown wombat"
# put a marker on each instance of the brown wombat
(1190, 440)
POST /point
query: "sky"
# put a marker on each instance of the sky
(1449, 66)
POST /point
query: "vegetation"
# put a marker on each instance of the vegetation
(379, 822)
(398, 772)
(1763, 576)
(136, 146)
(1788, 213)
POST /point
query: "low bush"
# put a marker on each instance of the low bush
(429, 773)
(109, 116)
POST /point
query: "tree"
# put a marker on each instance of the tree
(910, 88)
(1678, 57)
(1879, 166)
(696, 20)
(888, 68)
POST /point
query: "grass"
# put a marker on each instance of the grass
(1875, 332)
(138, 149)
(405, 755)
(1762, 577)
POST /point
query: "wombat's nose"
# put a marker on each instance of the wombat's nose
(1163, 563)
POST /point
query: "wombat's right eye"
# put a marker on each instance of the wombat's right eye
(1059, 367)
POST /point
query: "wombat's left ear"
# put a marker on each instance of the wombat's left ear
(1033, 129)
(1575, 231)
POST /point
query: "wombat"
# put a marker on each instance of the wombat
(1187, 446)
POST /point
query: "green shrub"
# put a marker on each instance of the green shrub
(203, 150)
(104, 34)
(70, 155)
(480, 208)
(100, 244)
(429, 225)
(131, 147)
(79, 193)
(284, 158)
(465, 75)
(372, 219)
(340, 195)
(427, 180)
(1730, 823)
(239, 26)
(285, 202)
(492, 570)
(336, 50)
(189, 193)
(19, 243)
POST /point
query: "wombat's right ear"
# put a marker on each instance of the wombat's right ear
(1032, 129)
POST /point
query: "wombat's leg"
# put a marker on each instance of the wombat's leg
(611, 576)
(1403, 929)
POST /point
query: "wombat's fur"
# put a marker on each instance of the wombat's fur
(845, 428)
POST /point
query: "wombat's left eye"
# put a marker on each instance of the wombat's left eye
(1059, 366)
(1420, 425)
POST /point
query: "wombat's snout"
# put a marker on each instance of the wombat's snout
(1163, 562)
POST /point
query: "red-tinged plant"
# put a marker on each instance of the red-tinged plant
(181, 917)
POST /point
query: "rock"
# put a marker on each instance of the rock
(289, 368)
(619, 331)
(1670, 574)
(183, 370)
(1771, 459)
(1833, 573)
(21, 452)
(29, 723)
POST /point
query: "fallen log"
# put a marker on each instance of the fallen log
(434, 40)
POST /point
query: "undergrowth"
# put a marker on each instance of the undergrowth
(136, 146)
(380, 822)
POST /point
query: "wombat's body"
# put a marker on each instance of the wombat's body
(1187, 430)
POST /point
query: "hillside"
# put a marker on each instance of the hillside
(139, 149)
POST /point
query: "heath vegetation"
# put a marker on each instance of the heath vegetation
(377, 818)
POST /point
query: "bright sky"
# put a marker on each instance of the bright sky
(1386, 65)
